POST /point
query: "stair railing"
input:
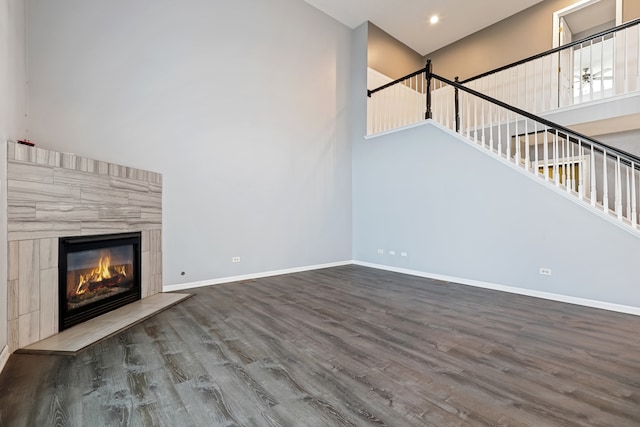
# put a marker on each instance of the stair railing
(399, 103)
(601, 175)
(603, 65)
(605, 177)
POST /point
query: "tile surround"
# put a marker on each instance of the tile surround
(52, 195)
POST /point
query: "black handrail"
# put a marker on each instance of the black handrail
(514, 64)
(565, 132)
(384, 86)
(555, 50)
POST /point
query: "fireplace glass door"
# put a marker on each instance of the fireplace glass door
(97, 275)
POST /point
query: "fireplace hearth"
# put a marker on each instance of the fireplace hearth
(97, 274)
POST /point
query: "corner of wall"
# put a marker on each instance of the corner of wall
(3, 255)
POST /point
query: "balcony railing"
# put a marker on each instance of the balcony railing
(600, 66)
(602, 176)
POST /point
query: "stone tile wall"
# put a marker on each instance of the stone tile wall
(52, 195)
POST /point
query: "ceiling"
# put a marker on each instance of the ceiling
(408, 20)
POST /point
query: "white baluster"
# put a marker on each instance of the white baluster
(526, 105)
(569, 167)
(563, 173)
(491, 127)
(447, 107)
(602, 68)
(618, 189)
(580, 73)
(628, 194)
(423, 98)
(591, 70)
(382, 117)
(416, 112)
(580, 170)
(556, 160)
(468, 118)
(517, 141)
(389, 108)
(634, 213)
(508, 136)
(626, 61)
(605, 183)
(542, 91)
(404, 101)
(535, 150)
(443, 97)
(386, 108)
(593, 175)
(397, 109)
(484, 123)
(377, 111)
(527, 155)
(475, 118)
(380, 110)
(535, 86)
(499, 124)
(545, 154)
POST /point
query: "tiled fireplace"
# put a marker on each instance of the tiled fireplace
(53, 196)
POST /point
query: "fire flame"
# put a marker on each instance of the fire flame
(103, 271)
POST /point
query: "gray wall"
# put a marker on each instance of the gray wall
(12, 120)
(458, 212)
(390, 56)
(628, 141)
(358, 89)
(242, 106)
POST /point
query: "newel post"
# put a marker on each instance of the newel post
(457, 106)
(429, 72)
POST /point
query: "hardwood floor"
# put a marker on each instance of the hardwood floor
(345, 346)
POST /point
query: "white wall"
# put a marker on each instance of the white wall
(241, 105)
(12, 123)
(458, 212)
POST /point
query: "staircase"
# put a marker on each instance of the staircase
(498, 113)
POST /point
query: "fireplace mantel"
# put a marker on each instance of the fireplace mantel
(51, 195)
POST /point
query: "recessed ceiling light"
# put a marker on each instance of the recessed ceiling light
(434, 19)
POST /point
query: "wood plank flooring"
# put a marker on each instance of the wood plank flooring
(346, 346)
(75, 339)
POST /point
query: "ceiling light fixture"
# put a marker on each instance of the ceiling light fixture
(434, 19)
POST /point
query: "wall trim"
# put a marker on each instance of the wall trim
(509, 289)
(619, 308)
(201, 283)
(4, 357)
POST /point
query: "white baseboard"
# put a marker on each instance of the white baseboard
(510, 289)
(201, 283)
(4, 357)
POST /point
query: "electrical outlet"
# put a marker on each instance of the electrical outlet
(235, 259)
(403, 254)
(545, 271)
(392, 252)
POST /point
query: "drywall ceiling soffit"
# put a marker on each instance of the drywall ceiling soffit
(408, 20)
(591, 16)
(608, 126)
